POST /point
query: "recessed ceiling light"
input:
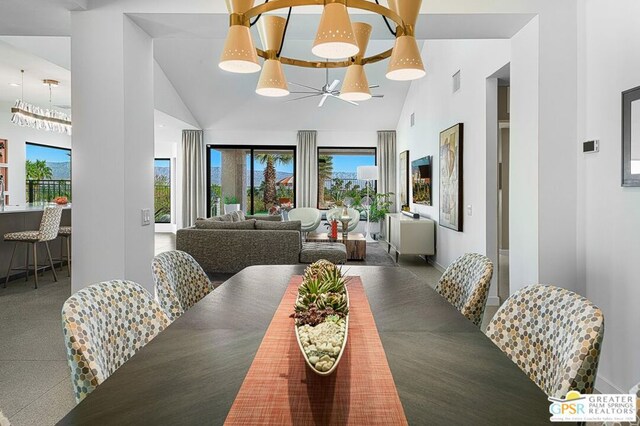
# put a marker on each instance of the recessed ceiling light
(14, 84)
(161, 125)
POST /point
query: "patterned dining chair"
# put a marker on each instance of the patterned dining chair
(180, 282)
(553, 335)
(49, 226)
(465, 284)
(104, 325)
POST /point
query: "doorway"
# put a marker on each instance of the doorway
(503, 188)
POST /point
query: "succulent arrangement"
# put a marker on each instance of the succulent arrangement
(321, 315)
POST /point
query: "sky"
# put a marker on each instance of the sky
(341, 163)
(49, 154)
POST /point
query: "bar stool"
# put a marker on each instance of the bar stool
(65, 237)
(48, 231)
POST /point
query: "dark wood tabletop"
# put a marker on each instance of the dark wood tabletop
(445, 369)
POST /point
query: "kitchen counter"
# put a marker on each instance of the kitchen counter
(25, 217)
(26, 208)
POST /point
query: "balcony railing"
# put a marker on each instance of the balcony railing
(39, 191)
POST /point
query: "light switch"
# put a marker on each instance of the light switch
(470, 210)
(146, 217)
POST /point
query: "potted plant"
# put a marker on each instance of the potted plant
(321, 317)
(380, 205)
(231, 204)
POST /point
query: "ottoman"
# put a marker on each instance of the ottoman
(333, 252)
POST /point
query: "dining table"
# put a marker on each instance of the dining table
(445, 369)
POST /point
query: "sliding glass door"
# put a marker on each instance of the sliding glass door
(256, 180)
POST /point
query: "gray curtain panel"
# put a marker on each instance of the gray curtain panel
(307, 169)
(387, 164)
(194, 182)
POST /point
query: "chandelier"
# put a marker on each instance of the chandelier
(340, 42)
(25, 114)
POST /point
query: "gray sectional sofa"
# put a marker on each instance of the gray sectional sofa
(229, 244)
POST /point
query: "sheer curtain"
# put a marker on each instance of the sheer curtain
(307, 169)
(194, 182)
(386, 160)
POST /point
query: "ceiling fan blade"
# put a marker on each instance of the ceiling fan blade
(301, 93)
(322, 101)
(344, 100)
(374, 86)
(377, 96)
(333, 85)
(302, 85)
(304, 97)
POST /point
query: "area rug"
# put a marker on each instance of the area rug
(376, 256)
(280, 389)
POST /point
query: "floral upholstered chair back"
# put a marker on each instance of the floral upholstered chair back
(553, 335)
(50, 223)
(180, 282)
(465, 284)
(104, 325)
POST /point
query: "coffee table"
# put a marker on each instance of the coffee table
(356, 243)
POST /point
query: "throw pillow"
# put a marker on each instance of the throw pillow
(276, 218)
(212, 224)
(266, 225)
(237, 216)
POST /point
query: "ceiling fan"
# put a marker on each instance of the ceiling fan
(326, 91)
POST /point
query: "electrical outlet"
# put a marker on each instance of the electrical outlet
(146, 217)
(470, 210)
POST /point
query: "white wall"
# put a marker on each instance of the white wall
(523, 169)
(167, 100)
(289, 137)
(17, 137)
(610, 215)
(437, 108)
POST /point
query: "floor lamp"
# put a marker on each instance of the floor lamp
(368, 174)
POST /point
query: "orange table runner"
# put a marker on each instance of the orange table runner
(280, 389)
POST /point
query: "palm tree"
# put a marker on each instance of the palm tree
(269, 194)
(325, 172)
(38, 170)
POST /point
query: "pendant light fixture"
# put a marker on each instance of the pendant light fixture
(24, 114)
(272, 81)
(335, 39)
(356, 86)
(406, 61)
(239, 54)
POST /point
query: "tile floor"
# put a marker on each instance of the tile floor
(35, 388)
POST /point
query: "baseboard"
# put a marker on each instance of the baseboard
(435, 264)
(493, 301)
(605, 386)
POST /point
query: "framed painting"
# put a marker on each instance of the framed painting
(404, 178)
(631, 137)
(421, 173)
(451, 168)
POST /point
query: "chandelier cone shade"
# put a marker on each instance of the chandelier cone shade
(272, 79)
(239, 6)
(335, 39)
(356, 85)
(406, 61)
(239, 54)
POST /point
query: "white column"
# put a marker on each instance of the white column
(113, 146)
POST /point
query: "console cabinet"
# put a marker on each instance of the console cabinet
(408, 236)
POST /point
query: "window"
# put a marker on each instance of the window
(256, 180)
(48, 172)
(338, 175)
(162, 190)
